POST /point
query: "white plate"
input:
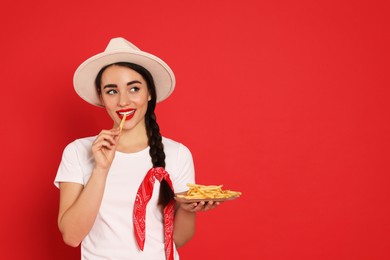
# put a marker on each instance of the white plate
(210, 199)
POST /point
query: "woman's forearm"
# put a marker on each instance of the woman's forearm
(184, 226)
(78, 209)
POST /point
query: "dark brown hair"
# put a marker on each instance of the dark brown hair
(156, 150)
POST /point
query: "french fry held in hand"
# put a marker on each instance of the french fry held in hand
(197, 191)
(122, 122)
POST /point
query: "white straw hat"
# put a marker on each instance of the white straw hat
(121, 50)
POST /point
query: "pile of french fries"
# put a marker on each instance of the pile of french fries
(197, 191)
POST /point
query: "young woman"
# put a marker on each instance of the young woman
(117, 188)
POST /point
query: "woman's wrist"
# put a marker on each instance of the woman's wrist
(100, 171)
(184, 209)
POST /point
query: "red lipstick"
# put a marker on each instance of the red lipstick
(129, 113)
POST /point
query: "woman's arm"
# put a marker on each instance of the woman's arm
(79, 207)
(185, 215)
(184, 226)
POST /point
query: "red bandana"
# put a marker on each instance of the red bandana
(144, 194)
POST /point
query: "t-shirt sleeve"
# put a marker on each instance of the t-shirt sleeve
(186, 171)
(70, 168)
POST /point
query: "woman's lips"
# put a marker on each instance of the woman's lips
(128, 112)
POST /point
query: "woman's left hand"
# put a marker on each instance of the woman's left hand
(199, 206)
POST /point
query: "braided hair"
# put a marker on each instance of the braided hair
(156, 150)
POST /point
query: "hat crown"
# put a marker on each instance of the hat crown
(120, 44)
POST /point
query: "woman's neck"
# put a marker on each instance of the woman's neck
(133, 140)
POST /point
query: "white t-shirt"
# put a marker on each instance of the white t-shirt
(112, 235)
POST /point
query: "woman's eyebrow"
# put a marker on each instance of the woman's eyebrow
(133, 82)
(110, 86)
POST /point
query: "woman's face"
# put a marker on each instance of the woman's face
(124, 91)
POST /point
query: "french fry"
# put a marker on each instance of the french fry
(197, 191)
(122, 122)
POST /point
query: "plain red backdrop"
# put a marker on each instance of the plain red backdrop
(286, 101)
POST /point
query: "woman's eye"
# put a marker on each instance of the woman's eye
(111, 92)
(134, 89)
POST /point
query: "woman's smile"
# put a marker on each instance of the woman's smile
(128, 112)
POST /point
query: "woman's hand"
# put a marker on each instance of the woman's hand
(199, 206)
(104, 148)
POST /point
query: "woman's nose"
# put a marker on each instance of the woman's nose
(124, 99)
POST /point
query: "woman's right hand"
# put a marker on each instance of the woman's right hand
(104, 147)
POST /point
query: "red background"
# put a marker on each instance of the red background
(286, 101)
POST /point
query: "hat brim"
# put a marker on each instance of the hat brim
(85, 75)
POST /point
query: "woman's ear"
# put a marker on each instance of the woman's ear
(149, 97)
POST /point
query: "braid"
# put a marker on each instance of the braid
(155, 142)
(157, 154)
